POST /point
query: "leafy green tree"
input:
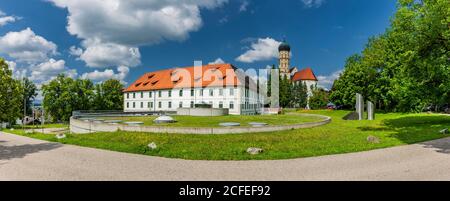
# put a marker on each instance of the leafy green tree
(319, 99)
(63, 95)
(299, 95)
(108, 95)
(11, 95)
(408, 67)
(285, 92)
(30, 94)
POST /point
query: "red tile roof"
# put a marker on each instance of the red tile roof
(304, 74)
(212, 75)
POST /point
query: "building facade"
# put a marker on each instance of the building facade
(218, 85)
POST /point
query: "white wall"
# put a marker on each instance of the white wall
(133, 100)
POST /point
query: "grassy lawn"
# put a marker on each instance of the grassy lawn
(339, 136)
(189, 121)
(51, 125)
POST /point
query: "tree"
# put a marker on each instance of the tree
(63, 95)
(299, 95)
(30, 94)
(285, 92)
(108, 95)
(319, 99)
(407, 67)
(11, 95)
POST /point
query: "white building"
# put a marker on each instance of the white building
(218, 85)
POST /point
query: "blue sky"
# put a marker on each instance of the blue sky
(124, 39)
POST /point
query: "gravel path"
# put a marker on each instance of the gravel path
(23, 158)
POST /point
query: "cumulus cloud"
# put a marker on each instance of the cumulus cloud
(26, 46)
(123, 25)
(313, 3)
(4, 19)
(326, 81)
(48, 70)
(109, 54)
(218, 61)
(261, 50)
(98, 76)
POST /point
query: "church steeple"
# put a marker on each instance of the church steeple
(284, 58)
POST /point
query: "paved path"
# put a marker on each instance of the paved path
(23, 158)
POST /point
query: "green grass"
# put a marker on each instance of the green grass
(339, 136)
(51, 125)
(190, 121)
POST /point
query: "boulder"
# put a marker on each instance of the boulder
(152, 146)
(164, 119)
(444, 131)
(373, 139)
(254, 150)
(60, 136)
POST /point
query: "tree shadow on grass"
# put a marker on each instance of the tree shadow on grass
(20, 151)
(417, 129)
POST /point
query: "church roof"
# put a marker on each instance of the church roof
(304, 74)
(214, 75)
(284, 46)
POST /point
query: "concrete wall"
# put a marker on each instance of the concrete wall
(82, 127)
(202, 112)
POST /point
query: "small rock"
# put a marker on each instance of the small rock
(60, 136)
(152, 146)
(444, 131)
(11, 129)
(28, 131)
(254, 151)
(373, 139)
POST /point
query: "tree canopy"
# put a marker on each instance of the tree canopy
(408, 67)
(11, 95)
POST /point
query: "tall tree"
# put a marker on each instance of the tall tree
(30, 94)
(108, 95)
(11, 95)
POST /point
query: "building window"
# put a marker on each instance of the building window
(142, 104)
(128, 95)
(134, 95)
(192, 92)
(231, 105)
(231, 92)
(220, 104)
(142, 94)
(181, 93)
(159, 104)
(170, 104)
(150, 104)
(211, 92)
(192, 104)
(159, 94)
(211, 103)
(180, 105)
(201, 92)
(220, 92)
(150, 94)
(170, 93)
(134, 105)
(128, 105)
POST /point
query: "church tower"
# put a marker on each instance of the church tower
(285, 57)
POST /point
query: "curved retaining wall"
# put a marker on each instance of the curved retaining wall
(82, 127)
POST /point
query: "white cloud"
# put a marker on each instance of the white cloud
(75, 51)
(261, 50)
(123, 25)
(218, 61)
(244, 6)
(48, 70)
(26, 46)
(4, 19)
(326, 81)
(313, 3)
(109, 54)
(98, 76)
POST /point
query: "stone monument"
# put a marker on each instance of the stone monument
(370, 110)
(360, 106)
